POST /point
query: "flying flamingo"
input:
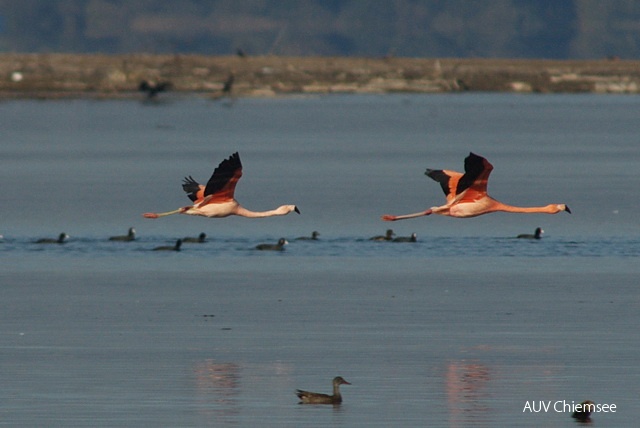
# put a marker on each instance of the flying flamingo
(467, 194)
(216, 198)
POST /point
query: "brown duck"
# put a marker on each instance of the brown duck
(307, 397)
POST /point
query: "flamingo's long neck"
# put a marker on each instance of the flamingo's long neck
(282, 210)
(547, 209)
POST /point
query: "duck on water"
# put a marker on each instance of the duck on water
(307, 397)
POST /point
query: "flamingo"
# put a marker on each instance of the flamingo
(216, 198)
(467, 194)
(307, 397)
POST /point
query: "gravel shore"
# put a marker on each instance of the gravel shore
(119, 76)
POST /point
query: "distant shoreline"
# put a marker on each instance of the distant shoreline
(51, 76)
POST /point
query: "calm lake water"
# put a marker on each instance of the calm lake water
(466, 327)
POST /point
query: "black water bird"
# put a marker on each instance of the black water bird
(313, 237)
(583, 413)
(60, 240)
(412, 238)
(536, 235)
(199, 239)
(130, 236)
(175, 247)
(386, 237)
(273, 247)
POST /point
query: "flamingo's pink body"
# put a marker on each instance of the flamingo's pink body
(216, 199)
(467, 194)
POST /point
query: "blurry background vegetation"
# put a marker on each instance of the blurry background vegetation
(555, 29)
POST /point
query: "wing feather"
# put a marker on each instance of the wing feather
(220, 187)
(464, 187)
(448, 181)
(222, 184)
(195, 191)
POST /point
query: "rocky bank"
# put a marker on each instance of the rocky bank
(118, 76)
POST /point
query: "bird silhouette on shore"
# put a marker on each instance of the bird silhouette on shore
(467, 196)
(153, 89)
(227, 87)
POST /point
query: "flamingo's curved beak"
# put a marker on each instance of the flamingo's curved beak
(566, 208)
(296, 209)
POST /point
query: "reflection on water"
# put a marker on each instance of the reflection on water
(467, 393)
(217, 387)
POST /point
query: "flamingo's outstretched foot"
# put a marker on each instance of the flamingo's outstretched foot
(156, 215)
(388, 217)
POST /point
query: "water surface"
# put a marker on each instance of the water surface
(461, 328)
